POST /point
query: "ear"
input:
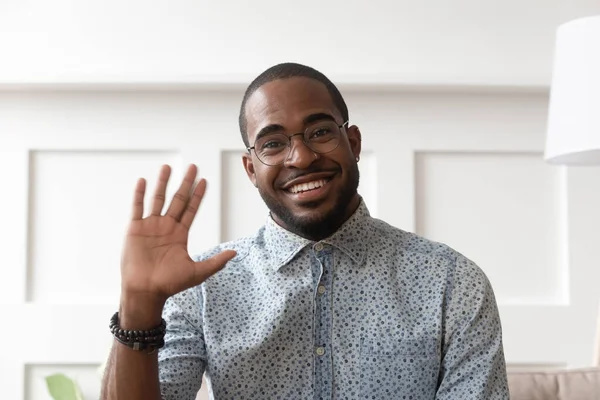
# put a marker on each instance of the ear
(355, 140)
(249, 167)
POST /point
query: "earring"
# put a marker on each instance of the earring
(357, 158)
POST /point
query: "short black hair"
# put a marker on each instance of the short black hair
(289, 70)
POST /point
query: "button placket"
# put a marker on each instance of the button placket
(323, 317)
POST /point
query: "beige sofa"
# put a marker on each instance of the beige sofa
(576, 384)
(570, 384)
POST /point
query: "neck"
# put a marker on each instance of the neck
(323, 229)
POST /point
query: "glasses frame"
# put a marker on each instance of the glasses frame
(341, 127)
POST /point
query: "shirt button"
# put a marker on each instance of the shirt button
(319, 246)
(320, 351)
(321, 289)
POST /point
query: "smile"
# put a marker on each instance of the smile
(307, 186)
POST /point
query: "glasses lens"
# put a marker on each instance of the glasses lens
(272, 149)
(323, 137)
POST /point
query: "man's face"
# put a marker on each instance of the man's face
(289, 106)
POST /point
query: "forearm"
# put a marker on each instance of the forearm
(132, 374)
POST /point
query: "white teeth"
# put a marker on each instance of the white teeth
(303, 187)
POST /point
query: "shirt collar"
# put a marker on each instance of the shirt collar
(352, 238)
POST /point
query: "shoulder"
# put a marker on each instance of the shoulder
(241, 246)
(192, 297)
(434, 253)
(248, 250)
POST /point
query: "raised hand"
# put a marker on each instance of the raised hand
(155, 261)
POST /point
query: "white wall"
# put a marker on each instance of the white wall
(488, 42)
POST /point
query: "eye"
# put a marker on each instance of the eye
(320, 132)
(272, 144)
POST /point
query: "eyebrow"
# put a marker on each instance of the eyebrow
(310, 119)
(317, 117)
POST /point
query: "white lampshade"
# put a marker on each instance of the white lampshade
(573, 131)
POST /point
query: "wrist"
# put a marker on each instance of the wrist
(140, 311)
(146, 340)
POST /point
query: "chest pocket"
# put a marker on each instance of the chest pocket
(391, 368)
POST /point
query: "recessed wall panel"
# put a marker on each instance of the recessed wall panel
(243, 210)
(367, 187)
(80, 207)
(502, 210)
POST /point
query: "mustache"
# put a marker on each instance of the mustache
(304, 172)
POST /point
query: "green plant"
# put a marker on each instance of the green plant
(61, 387)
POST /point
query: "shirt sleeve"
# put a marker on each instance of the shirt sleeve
(182, 360)
(473, 365)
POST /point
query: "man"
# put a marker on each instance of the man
(324, 302)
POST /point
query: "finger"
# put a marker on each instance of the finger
(205, 269)
(180, 199)
(138, 199)
(192, 206)
(161, 187)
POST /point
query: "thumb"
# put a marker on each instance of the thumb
(206, 268)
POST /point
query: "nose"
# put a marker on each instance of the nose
(300, 156)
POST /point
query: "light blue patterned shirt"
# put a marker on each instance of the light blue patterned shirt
(373, 312)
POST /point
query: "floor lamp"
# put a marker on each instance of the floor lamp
(573, 131)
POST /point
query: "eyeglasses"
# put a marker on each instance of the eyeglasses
(273, 149)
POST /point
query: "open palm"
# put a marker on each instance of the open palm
(155, 256)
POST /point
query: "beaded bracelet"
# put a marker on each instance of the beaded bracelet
(146, 340)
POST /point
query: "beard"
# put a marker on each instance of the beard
(317, 227)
